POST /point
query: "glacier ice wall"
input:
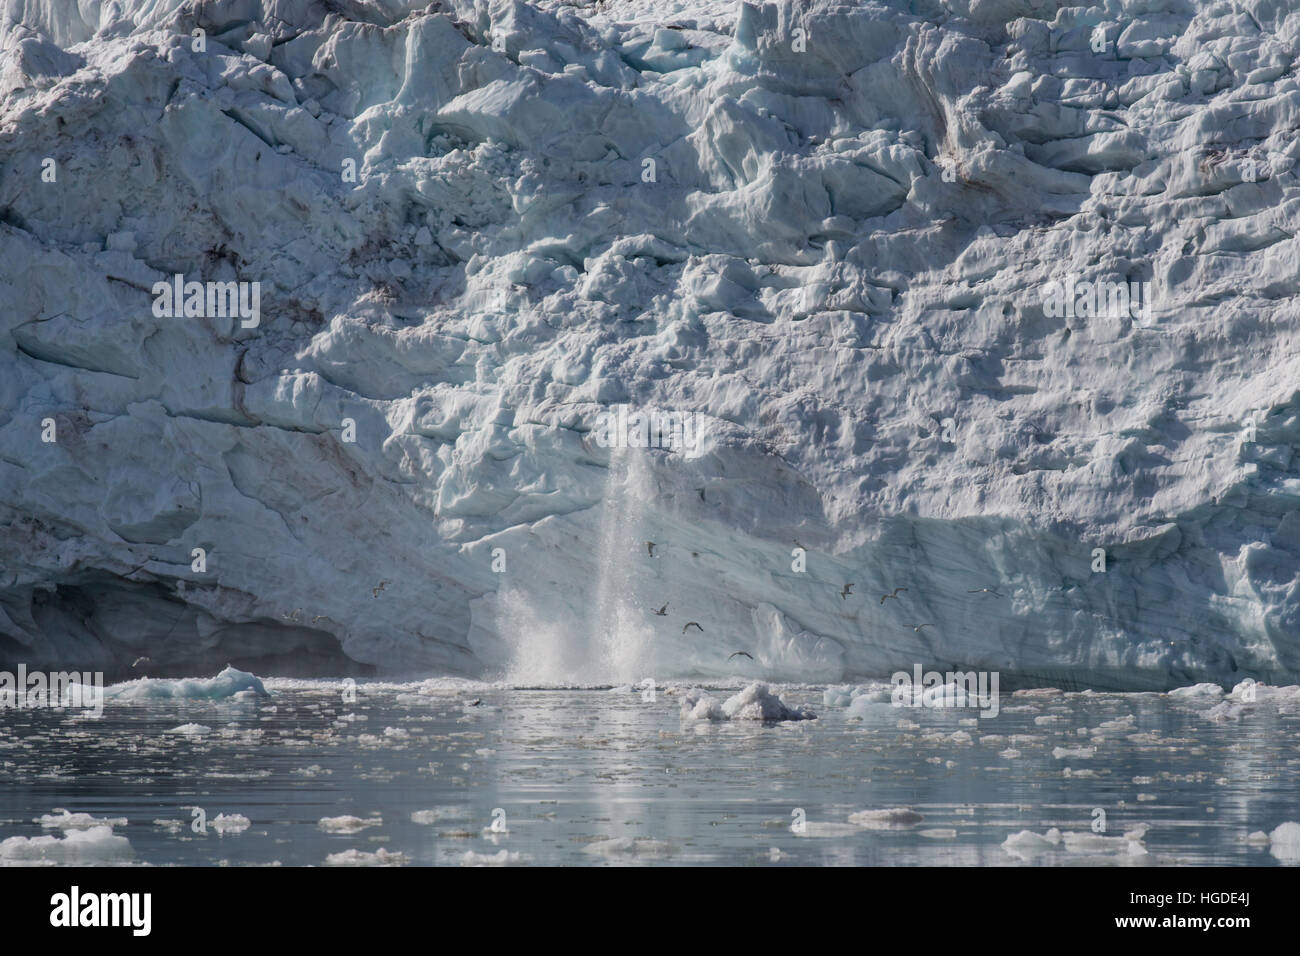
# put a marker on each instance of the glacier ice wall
(824, 227)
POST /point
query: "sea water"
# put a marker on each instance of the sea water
(446, 772)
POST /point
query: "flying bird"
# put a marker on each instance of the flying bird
(141, 660)
(375, 591)
(741, 654)
(848, 589)
(650, 546)
(663, 611)
(692, 624)
(917, 627)
(886, 597)
(983, 591)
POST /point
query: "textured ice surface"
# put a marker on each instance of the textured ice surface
(229, 683)
(838, 262)
(755, 702)
(95, 846)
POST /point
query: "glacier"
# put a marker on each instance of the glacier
(822, 230)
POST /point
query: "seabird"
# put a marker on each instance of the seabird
(917, 627)
(692, 624)
(374, 592)
(886, 597)
(141, 660)
(848, 589)
(650, 546)
(663, 611)
(983, 591)
(741, 654)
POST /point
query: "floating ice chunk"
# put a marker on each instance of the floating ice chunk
(1074, 753)
(756, 702)
(629, 846)
(96, 845)
(225, 823)
(348, 824)
(894, 818)
(817, 829)
(697, 705)
(1119, 723)
(1027, 844)
(837, 696)
(380, 857)
(1209, 691)
(870, 703)
(939, 833)
(226, 684)
(1226, 710)
(1085, 841)
(500, 858)
(189, 730)
(60, 819)
(1284, 842)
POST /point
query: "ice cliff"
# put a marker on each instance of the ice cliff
(825, 228)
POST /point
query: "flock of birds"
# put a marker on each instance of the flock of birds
(845, 593)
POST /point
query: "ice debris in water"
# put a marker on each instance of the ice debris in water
(190, 730)
(501, 858)
(61, 819)
(228, 683)
(348, 824)
(380, 857)
(755, 702)
(1284, 842)
(230, 823)
(894, 818)
(96, 845)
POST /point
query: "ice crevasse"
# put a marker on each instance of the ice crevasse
(825, 235)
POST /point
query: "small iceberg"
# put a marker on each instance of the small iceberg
(228, 683)
(755, 702)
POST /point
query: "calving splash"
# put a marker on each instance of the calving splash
(614, 644)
